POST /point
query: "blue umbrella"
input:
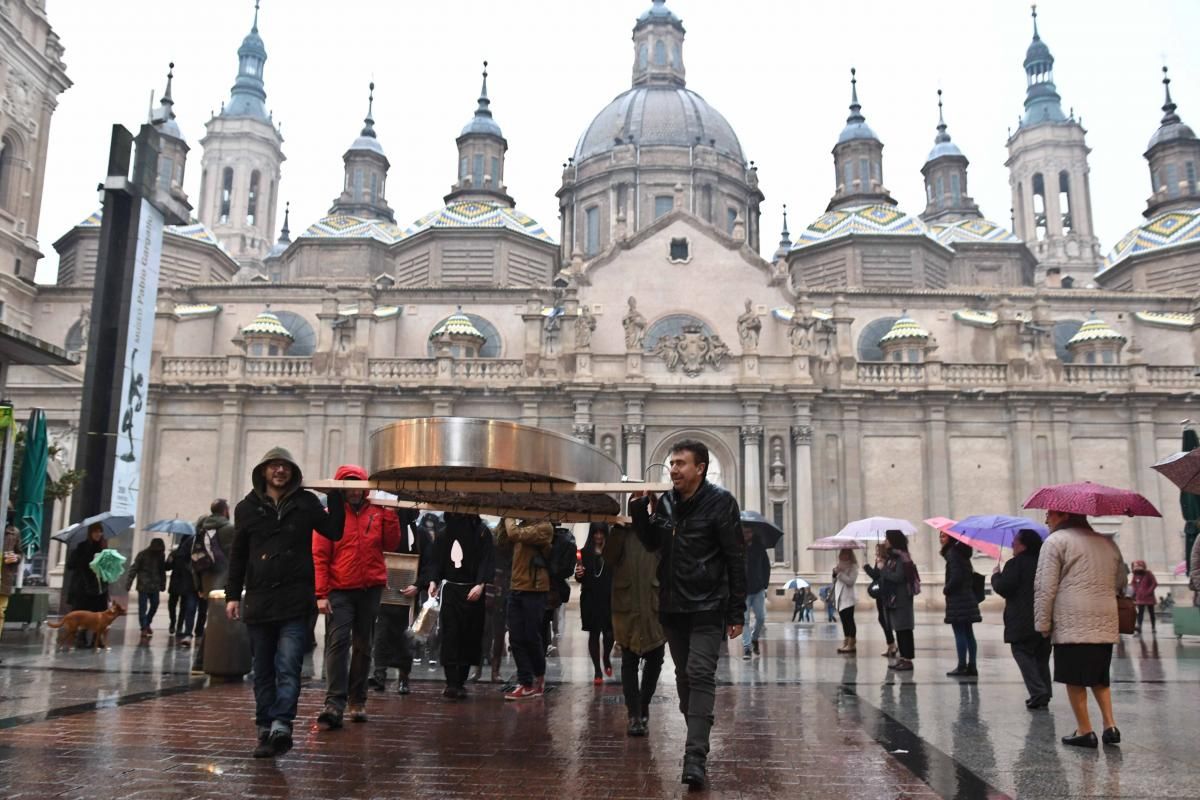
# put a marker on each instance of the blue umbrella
(113, 524)
(997, 529)
(175, 527)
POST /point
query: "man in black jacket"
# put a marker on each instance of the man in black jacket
(272, 561)
(1030, 649)
(702, 586)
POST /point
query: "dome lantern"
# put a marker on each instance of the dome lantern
(945, 173)
(266, 335)
(905, 342)
(481, 151)
(858, 160)
(364, 189)
(1174, 158)
(1096, 342)
(459, 334)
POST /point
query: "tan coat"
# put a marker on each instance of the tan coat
(526, 542)
(636, 626)
(1079, 575)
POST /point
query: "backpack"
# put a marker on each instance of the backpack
(562, 555)
(206, 551)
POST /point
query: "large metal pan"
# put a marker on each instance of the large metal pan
(468, 449)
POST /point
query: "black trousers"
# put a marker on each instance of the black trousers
(884, 622)
(696, 641)
(393, 645)
(849, 629)
(637, 698)
(1033, 659)
(1141, 611)
(904, 643)
(526, 612)
(348, 645)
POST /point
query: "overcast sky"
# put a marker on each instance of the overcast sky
(777, 69)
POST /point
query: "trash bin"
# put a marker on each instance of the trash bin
(226, 642)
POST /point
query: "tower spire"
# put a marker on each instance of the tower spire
(855, 106)
(285, 233)
(485, 105)
(254, 27)
(369, 121)
(785, 238)
(942, 136)
(1033, 11)
(1169, 115)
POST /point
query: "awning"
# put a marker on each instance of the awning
(17, 347)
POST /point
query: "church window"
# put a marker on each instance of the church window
(462, 168)
(939, 195)
(1064, 200)
(1191, 177)
(956, 189)
(876, 172)
(477, 170)
(678, 57)
(708, 203)
(864, 175)
(495, 171)
(1172, 181)
(643, 57)
(680, 250)
(928, 193)
(356, 190)
(226, 193)
(660, 54)
(252, 200)
(663, 203)
(1108, 356)
(591, 240)
(1039, 206)
(731, 215)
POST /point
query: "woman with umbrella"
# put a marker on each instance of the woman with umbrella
(898, 583)
(962, 608)
(87, 592)
(844, 576)
(1079, 575)
(1030, 649)
(1144, 583)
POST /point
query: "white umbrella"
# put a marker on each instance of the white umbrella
(797, 583)
(873, 529)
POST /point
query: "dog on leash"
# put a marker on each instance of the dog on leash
(95, 621)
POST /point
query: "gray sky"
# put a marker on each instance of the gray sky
(777, 69)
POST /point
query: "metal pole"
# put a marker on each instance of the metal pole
(10, 441)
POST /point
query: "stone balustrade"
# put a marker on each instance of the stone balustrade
(1096, 374)
(489, 369)
(279, 367)
(402, 369)
(189, 367)
(1174, 377)
(889, 373)
(972, 375)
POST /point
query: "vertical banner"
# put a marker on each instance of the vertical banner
(135, 372)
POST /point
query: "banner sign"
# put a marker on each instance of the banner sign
(135, 377)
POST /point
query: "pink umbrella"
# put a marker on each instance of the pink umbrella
(943, 524)
(1181, 568)
(1092, 500)
(834, 543)
(1182, 469)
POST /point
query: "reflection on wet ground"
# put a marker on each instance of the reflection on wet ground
(798, 721)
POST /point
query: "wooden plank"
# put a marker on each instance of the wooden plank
(491, 487)
(497, 511)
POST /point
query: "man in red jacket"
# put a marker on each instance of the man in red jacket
(350, 576)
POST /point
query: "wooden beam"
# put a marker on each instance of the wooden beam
(497, 511)
(491, 487)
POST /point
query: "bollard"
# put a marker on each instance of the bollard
(226, 642)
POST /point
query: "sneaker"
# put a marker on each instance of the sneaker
(597, 681)
(522, 693)
(746, 654)
(754, 646)
(539, 685)
(402, 685)
(608, 670)
(358, 713)
(330, 718)
(280, 741)
(902, 665)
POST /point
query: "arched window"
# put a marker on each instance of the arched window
(1064, 329)
(252, 199)
(939, 194)
(672, 325)
(8, 175)
(864, 175)
(678, 57)
(462, 168)
(304, 338)
(591, 239)
(660, 54)
(374, 196)
(477, 170)
(868, 340)
(643, 57)
(1191, 177)
(1172, 181)
(1039, 205)
(956, 189)
(495, 171)
(1064, 200)
(226, 193)
(492, 346)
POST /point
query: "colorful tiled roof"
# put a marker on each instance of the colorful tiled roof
(786, 313)
(1166, 230)
(971, 230)
(904, 329)
(195, 310)
(193, 230)
(1165, 319)
(457, 324)
(344, 226)
(267, 324)
(875, 219)
(467, 214)
(1095, 330)
(381, 312)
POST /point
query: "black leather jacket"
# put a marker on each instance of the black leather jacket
(703, 566)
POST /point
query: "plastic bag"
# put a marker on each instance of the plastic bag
(427, 618)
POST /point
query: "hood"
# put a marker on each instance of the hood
(280, 453)
(350, 472)
(213, 522)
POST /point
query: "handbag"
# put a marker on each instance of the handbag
(1126, 615)
(873, 590)
(978, 587)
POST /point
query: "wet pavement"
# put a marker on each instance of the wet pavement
(799, 721)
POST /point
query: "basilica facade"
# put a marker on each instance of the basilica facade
(872, 362)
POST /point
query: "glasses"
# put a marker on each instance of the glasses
(279, 467)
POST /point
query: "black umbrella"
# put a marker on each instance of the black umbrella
(761, 529)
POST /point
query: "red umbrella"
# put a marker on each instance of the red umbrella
(943, 524)
(1182, 469)
(1092, 500)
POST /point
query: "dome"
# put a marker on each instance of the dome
(486, 125)
(367, 143)
(659, 13)
(1038, 52)
(267, 324)
(1171, 132)
(658, 115)
(1161, 232)
(1094, 330)
(457, 325)
(975, 229)
(904, 329)
(874, 219)
(943, 149)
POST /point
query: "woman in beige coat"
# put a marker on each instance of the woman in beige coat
(1079, 575)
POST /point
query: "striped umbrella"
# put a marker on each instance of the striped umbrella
(944, 525)
(1092, 500)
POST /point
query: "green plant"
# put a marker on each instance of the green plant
(59, 489)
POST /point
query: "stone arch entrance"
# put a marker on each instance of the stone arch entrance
(723, 468)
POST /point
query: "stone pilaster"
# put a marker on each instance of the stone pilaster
(804, 533)
(752, 466)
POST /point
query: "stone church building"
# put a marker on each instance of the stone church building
(872, 362)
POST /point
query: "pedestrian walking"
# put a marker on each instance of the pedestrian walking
(87, 592)
(845, 574)
(810, 600)
(272, 562)
(149, 571)
(899, 582)
(1079, 575)
(349, 576)
(702, 586)
(876, 593)
(459, 567)
(595, 580)
(529, 544)
(214, 536)
(181, 590)
(758, 579)
(636, 626)
(962, 606)
(393, 643)
(1144, 583)
(1029, 648)
(798, 598)
(10, 563)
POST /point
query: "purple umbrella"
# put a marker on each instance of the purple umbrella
(997, 528)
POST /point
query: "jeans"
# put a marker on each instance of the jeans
(147, 605)
(696, 641)
(187, 614)
(964, 643)
(1141, 610)
(849, 629)
(637, 699)
(830, 611)
(278, 652)
(526, 611)
(1033, 659)
(351, 628)
(756, 602)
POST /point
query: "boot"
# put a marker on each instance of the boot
(849, 646)
(845, 644)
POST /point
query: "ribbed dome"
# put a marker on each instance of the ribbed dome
(905, 329)
(457, 325)
(658, 115)
(1095, 329)
(267, 324)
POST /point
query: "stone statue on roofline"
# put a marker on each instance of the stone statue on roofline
(585, 324)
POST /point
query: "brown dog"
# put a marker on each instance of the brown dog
(95, 621)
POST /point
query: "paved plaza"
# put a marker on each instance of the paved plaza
(797, 722)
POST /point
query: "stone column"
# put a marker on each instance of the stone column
(852, 447)
(635, 440)
(1152, 548)
(752, 466)
(314, 438)
(1062, 471)
(532, 317)
(1024, 470)
(937, 471)
(583, 427)
(803, 535)
(230, 446)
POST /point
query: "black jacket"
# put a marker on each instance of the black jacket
(272, 547)
(86, 592)
(479, 559)
(758, 568)
(961, 605)
(179, 562)
(703, 566)
(1015, 584)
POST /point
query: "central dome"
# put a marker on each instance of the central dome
(658, 115)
